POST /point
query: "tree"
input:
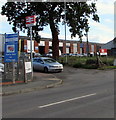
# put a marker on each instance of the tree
(51, 13)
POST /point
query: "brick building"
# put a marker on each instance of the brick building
(69, 46)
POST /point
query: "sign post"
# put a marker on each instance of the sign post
(11, 51)
(31, 21)
(11, 48)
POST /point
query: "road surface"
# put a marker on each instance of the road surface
(83, 94)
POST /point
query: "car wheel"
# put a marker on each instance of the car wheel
(45, 69)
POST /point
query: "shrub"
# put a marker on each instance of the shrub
(90, 66)
(107, 60)
(91, 61)
(78, 65)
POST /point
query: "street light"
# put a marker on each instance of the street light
(65, 23)
(87, 30)
(87, 44)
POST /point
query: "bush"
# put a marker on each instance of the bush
(90, 66)
(78, 65)
(91, 61)
(107, 60)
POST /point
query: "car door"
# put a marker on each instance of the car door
(35, 64)
(40, 64)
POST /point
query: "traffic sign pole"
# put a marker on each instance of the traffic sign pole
(31, 51)
(31, 21)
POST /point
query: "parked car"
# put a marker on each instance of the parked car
(47, 64)
(1, 67)
(79, 55)
(67, 54)
(85, 54)
(49, 54)
(37, 55)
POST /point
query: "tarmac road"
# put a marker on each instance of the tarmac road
(83, 94)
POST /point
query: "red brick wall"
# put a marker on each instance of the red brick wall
(95, 48)
(84, 47)
(36, 45)
(78, 48)
(89, 47)
(25, 44)
(71, 47)
(64, 47)
(46, 46)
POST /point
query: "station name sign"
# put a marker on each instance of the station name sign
(11, 48)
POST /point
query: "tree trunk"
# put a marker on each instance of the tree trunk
(55, 40)
(55, 45)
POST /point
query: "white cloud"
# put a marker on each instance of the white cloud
(45, 35)
(105, 6)
(3, 18)
(102, 28)
(103, 39)
(109, 21)
(101, 32)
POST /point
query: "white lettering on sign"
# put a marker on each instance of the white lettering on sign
(102, 50)
(30, 21)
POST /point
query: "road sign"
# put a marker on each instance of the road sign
(11, 52)
(11, 37)
(28, 67)
(30, 21)
(11, 48)
(103, 51)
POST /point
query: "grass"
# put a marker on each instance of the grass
(88, 62)
(107, 67)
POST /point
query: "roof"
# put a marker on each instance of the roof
(111, 44)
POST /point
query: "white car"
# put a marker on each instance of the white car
(1, 67)
(47, 64)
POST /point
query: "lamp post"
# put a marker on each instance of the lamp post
(65, 23)
(87, 44)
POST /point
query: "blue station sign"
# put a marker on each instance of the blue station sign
(11, 48)
(11, 37)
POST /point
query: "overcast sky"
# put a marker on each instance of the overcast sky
(102, 32)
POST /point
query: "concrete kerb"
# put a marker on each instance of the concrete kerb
(59, 81)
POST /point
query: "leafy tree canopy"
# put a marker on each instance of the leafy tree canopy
(51, 13)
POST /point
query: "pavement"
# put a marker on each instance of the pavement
(40, 81)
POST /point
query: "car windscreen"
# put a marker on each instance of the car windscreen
(49, 60)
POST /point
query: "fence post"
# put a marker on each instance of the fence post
(25, 75)
(13, 72)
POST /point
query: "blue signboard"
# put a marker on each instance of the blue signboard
(11, 52)
(11, 37)
(11, 48)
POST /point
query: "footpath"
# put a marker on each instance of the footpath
(40, 81)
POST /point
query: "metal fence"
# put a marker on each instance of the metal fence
(15, 71)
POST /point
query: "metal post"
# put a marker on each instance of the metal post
(65, 24)
(31, 51)
(87, 44)
(18, 59)
(13, 72)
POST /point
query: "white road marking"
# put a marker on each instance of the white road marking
(55, 103)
